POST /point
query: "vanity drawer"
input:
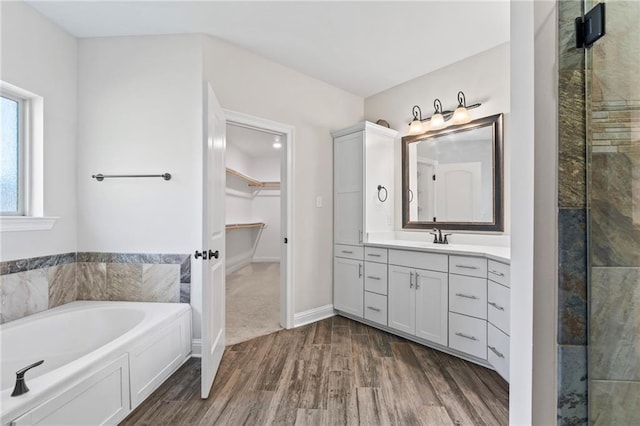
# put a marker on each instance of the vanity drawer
(375, 308)
(499, 272)
(350, 252)
(375, 254)
(471, 266)
(498, 311)
(375, 277)
(420, 260)
(468, 335)
(498, 351)
(468, 295)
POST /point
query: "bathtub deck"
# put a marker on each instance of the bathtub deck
(335, 371)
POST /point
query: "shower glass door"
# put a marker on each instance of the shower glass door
(613, 168)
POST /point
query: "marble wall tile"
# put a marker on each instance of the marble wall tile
(124, 282)
(92, 281)
(185, 270)
(572, 277)
(570, 58)
(14, 266)
(615, 232)
(62, 284)
(615, 324)
(160, 283)
(614, 403)
(53, 260)
(572, 176)
(572, 385)
(185, 293)
(23, 294)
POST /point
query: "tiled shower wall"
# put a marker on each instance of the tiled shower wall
(32, 285)
(572, 222)
(613, 123)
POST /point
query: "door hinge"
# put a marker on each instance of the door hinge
(434, 218)
(590, 27)
(434, 177)
(286, 240)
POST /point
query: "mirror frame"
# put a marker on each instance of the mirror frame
(497, 225)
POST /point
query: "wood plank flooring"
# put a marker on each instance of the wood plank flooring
(333, 372)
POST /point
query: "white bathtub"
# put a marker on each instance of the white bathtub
(106, 356)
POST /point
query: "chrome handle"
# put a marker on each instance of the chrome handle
(359, 270)
(466, 296)
(417, 284)
(373, 255)
(466, 336)
(374, 309)
(500, 274)
(347, 251)
(466, 267)
(495, 351)
(371, 277)
(495, 305)
(410, 279)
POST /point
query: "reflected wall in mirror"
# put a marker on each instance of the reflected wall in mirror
(452, 178)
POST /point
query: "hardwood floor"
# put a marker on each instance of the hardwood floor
(333, 372)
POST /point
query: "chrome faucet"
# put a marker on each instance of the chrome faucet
(438, 238)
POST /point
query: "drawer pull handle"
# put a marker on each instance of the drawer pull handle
(466, 267)
(467, 296)
(495, 305)
(360, 270)
(495, 351)
(373, 255)
(410, 279)
(347, 251)
(374, 309)
(500, 274)
(417, 281)
(466, 336)
(371, 277)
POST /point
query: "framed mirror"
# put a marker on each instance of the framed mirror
(453, 178)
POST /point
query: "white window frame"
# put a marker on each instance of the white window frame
(30, 216)
(23, 160)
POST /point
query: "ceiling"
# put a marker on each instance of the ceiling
(362, 47)
(253, 143)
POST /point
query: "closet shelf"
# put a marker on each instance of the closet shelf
(233, 226)
(253, 182)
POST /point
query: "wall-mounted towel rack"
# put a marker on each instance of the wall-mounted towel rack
(100, 177)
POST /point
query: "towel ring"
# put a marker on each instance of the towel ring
(386, 194)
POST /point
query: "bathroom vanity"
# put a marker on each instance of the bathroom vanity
(451, 297)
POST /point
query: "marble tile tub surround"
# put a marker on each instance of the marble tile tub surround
(31, 285)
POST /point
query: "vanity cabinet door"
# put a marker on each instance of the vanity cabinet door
(348, 286)
(348, 158)
(431, 305)
(401, 299)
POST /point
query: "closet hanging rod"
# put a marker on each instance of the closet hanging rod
(100, 177)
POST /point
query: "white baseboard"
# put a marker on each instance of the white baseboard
(266, 260)
(313, 315)
(196, 348)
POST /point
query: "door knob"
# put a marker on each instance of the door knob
(214, 254)
(201, 254)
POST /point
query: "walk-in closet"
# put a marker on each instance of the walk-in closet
(253, 233)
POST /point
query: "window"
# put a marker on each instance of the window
(12, 149)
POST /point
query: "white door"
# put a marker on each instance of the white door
(458, 190)
(349, 214)
(432, 296)
(348, 286)
(402, 304)
(213, 232)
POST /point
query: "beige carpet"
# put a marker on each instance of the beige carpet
(253, 302)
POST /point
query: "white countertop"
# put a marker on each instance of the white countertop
(497, 253)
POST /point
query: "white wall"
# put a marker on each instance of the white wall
(140, 111)
(40, 57)
(253, 85)
(266, 209)
(483, 78)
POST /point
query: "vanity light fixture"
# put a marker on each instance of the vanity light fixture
(277, 144)
(417, 125)
(437, 121)
(461, 114)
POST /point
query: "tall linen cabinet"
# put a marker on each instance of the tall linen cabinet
(363, 177)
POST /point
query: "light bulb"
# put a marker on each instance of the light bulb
(417, 127)
(461, 116)
(437, 122)
(277, 145)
